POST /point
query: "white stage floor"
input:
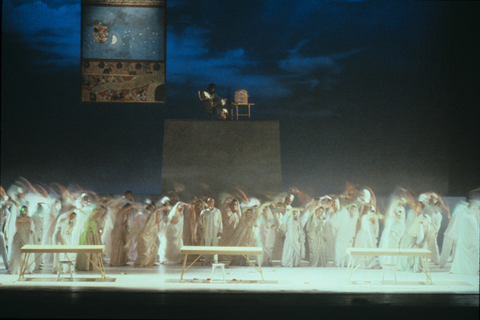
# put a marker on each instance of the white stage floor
(166, 278)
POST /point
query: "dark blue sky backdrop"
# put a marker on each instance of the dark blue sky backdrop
(368, 91)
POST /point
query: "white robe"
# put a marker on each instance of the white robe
(467, 252)
(391, 236)
(451, 233)
(294, 246)
(268, 226)
(64, 236)
(174, 237)
(367, 238)
(23, 236)
(432, 244)
(344, 235)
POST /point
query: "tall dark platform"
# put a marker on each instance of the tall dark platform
(221, 154)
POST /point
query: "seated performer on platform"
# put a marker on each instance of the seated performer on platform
(212, 103)
(211, 223)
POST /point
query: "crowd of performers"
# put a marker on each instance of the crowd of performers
(290, 227)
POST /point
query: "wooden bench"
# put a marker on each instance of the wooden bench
(83, 249)
(239, 251)
(367, 252)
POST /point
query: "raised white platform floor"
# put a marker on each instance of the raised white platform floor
(166, 278)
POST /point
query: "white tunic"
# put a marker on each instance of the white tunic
(467, 252)
(344, 235)
(211, 220)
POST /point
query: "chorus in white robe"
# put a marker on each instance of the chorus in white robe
(64, 236)
(329, 231)
(3, 248)
(244, 234)
(91, 236)
(23, 236)
(118, 252)
(38, 231)
(83, 209)
(192, 235)
(393, 232)
(414, 238)
(135, 224)
(212, 227)
(451, 233)
(467, 251)
(5, 214)
(49, 222)
(174, 233)
(268, 225)
(436, 222)
(367, 235)
(316, 238)
(148, 241)
(346, 223)
(107, 231)
(294, 246)
(230, 220)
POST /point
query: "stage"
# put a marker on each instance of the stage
(157, 292)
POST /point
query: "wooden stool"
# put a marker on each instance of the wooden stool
(220, 265)
(60, 264)
(390, 266)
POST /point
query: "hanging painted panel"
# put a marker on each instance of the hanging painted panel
(123, 51)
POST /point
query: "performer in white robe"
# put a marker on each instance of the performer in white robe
(345, 233)
(316, 236)
(436, 222)
(23, 236)
(367, 234)
(135, 224)
(83, 209)
(49, 222)
(329, 231)
(3, 248)
(64, 236)
(268, 225)
(230, 220)
(414, 238)
(412, 214)
(38, 231)
(148, 241)
(107, 232)
(174, 233)
(393, 231)
(5, 215)
(467, 251)
(212, 227)
(294, 246)
(450, 237)
(279, 210)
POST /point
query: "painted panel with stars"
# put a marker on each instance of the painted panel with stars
(123, 51)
